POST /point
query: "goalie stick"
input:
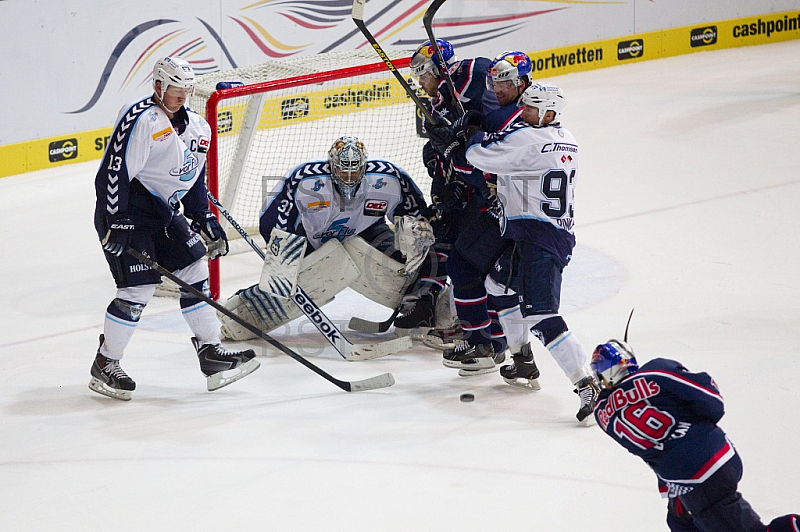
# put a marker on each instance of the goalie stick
(427, 21)
(346, 349)
(358, 18)
(380, 381)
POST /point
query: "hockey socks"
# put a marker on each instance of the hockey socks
(199, 315)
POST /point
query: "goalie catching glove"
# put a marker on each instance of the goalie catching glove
(205, 223)
(413, 237)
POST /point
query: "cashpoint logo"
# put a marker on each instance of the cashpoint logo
(630, 49)
(294, 108)
(62, 150)
(703, 36)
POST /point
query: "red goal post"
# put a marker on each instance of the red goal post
(262, 129)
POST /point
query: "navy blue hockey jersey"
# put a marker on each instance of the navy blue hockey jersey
(668, 417)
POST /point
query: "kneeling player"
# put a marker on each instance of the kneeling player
(346, 199)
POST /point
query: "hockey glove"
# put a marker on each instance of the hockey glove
(495, 207)
(205, 223)
(118, 236)
(430, 160)
(451, 197)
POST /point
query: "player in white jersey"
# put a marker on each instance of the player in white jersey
(536, 162)
(154, 164)
(337, 198)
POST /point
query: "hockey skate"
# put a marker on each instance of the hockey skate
(588, 390)
(471, 357)
(416, 313)
(222, 367)
(522, 372)
(108, 377)
(498, 358)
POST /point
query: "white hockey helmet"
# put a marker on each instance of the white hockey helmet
(515, 67)
(173, 71)
(348, 161)
(545, 97)
(425, 58)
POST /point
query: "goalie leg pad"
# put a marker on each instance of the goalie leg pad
(381, 279)
(323, 274)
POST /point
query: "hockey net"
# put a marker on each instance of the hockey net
(291, 111)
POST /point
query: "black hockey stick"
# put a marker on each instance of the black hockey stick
(358, 18)
(328, 329)
(381, 381)
(427, 21)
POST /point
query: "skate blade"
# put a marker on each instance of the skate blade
(224, 378)
(588, 421)
(472, 363)
(525, 384)
(476, 372)
(98, 386)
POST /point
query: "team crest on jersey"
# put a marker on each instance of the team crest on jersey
(375, 207)
(189, 168)
(318, 184)
(318, 205)
(162, 135)
(337, 230)
(380, 183)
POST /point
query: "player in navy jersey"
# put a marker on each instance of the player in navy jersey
(343, 196)
(667, 416)
(153, 166)
(458, 190)
(536, 163)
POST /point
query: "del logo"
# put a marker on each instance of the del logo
(703, 36)
(294, 108)
(62, 150)
(203, 145)
(630, 49)
(375, 207)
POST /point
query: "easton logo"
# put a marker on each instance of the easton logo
(630, 49)
(703, 36)
(63, 150)
(292, 108)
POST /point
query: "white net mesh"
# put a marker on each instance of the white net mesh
(264, 135)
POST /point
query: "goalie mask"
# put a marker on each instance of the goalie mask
(612, 362)
(545, 98)
(348, 161)
(510, 66)
(425, 58)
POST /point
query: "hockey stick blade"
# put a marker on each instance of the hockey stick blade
(378, 350)
(366, 326)
(380, 381)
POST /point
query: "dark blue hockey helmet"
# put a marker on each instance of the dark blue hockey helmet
(612, 362)
(425, 59)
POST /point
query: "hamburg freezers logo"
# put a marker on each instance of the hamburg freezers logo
(703, 36)
(630, 49)
(374, 207)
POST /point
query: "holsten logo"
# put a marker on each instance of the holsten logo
(294, 108)
(62, 150)
(630, 49)
(703, 36)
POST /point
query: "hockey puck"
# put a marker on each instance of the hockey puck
(467, 397)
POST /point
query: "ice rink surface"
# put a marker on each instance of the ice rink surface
(687, 210)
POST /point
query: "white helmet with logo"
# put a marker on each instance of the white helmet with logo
(173, 71)
(544, 97)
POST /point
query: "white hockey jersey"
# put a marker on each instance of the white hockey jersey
(306, 202)
(144, 146)
(536, 171)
